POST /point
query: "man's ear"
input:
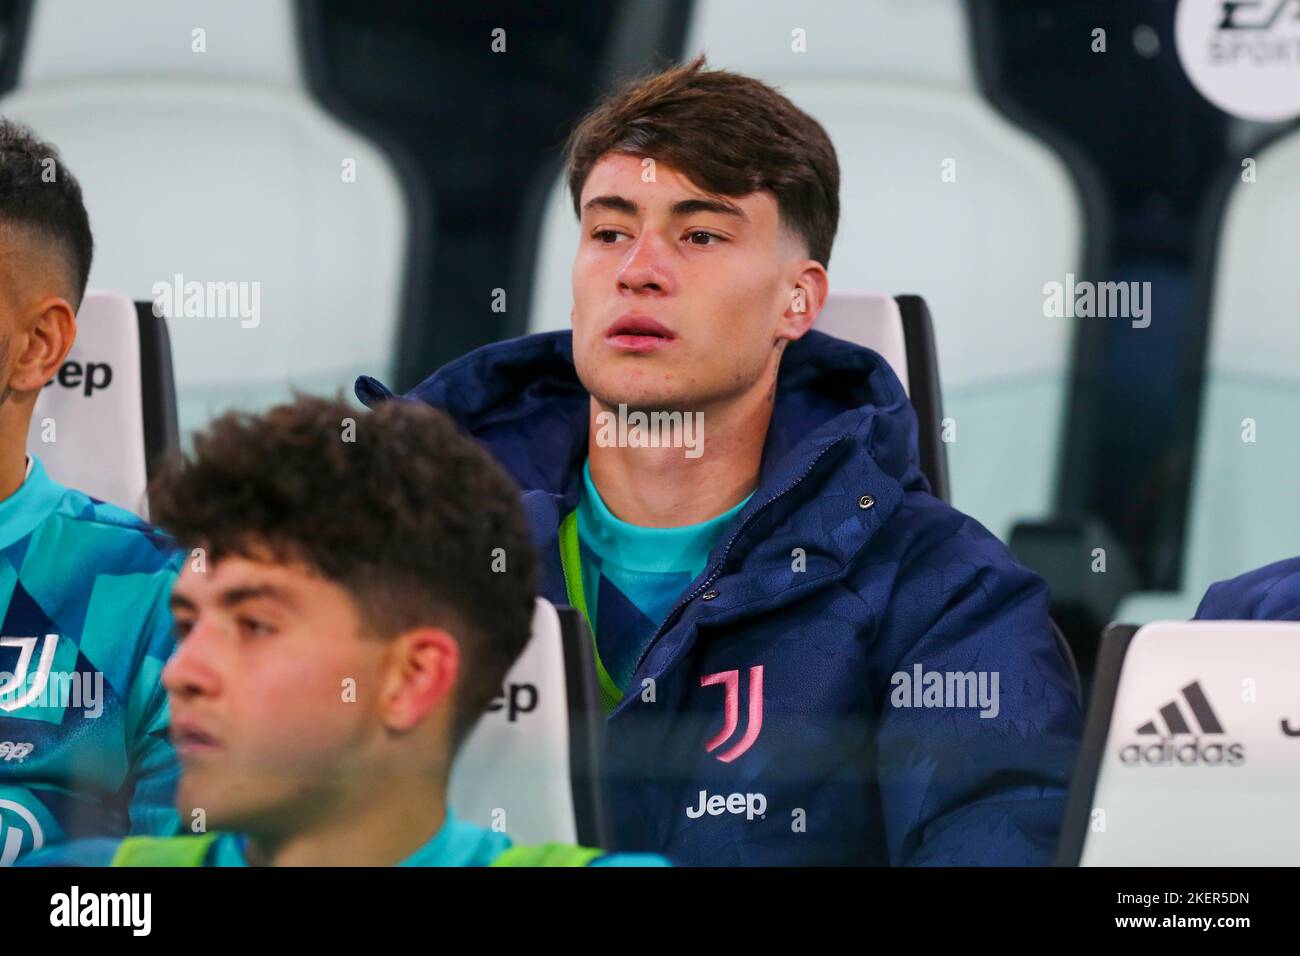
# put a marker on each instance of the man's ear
(807, 294)
(423, 666)
(45, 345)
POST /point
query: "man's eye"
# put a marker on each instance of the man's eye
(251, 627)
(695, 234)
(606, 236)
(182, 629)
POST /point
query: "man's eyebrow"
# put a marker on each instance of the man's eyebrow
(688, 207)
(613, 203)
(233, 596)
(684, 207)
(251, 593)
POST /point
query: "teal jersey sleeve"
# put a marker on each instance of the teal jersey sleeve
(154, 770)
(84, 595)
(96, 851)
(457, 844)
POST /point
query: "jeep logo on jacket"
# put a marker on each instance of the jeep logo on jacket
(775, 691)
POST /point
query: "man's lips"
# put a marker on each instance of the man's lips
(638, 333)
(189, 737)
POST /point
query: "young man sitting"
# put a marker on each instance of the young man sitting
(342, 624)
(806, 657)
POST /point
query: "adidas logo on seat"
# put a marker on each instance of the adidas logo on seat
(1178, 722)
(1173, 717)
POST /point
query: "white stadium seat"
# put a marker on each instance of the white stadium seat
(870, 319)
(109, 410)
(202, 156)
(1244, 510)
(531, 767)
(894, 83)
(901, 331)
(1189, 755)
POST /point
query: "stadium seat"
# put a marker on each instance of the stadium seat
(204, 160)
(1189, 754)
(1244, 511)
(102, 422)
(532, 766)
(900, 330)
(870, 319)
(980, 247)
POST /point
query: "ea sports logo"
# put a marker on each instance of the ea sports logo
(1242, 55)
(1181, 743)
(20, 832)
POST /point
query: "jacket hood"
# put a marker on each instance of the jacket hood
(522, 399)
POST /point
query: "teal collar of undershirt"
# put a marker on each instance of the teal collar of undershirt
(34, 501)
(456, 843)
(654, 550)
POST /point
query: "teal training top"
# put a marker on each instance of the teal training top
(632, 577)
(86, 632)
(456, 843)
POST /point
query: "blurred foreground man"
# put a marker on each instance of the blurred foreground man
(806, 657)
(340, 636)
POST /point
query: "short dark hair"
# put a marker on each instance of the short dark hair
(730, 134)
(40, 194)
(395, 505)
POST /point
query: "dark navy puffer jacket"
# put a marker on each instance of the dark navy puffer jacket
(787, 712)
(1270, 593)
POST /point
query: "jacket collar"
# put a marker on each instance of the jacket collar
(841, 421)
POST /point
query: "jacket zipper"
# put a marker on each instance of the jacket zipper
(716, 570)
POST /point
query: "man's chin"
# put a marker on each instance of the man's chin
(208, 804)
(639, 395)
(632, 381)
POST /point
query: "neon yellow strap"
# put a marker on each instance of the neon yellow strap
(571, 562)
(549, 854)
(193, 851)
(164, 851)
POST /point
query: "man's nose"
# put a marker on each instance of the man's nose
(646, 267)
(191, 670)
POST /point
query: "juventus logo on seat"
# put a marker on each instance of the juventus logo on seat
(1173, 717)
(731, 711)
